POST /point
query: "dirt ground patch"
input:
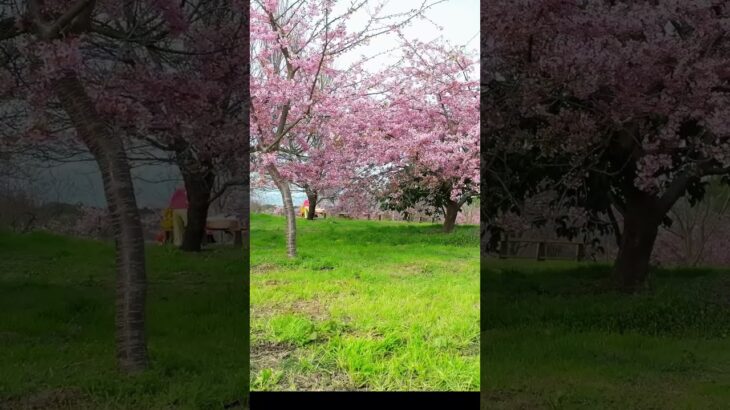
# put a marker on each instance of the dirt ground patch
(323, 380)
(275, 282)
(313, 308)
(263, 268)
(268, 355)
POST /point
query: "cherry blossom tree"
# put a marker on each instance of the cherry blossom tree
(102, 73)
(318, 160)
(294, 46)
(622, 106)
(50, 36)
(430, 134)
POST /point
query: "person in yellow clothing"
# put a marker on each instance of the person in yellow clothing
(179, 207)
(304, 210)
(167, 225)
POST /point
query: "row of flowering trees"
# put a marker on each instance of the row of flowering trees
(360, 133)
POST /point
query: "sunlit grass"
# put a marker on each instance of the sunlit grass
(366, 305)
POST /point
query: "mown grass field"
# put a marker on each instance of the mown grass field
(57, 327)
(556, 338)
(365, 306)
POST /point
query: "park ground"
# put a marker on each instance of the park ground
(366, 305)
(556, 337)
(57, 327)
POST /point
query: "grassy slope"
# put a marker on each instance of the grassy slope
(57, 334)
(366, 305)
(557, 339)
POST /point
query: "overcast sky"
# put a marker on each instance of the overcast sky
(80, 182)
(454, 21)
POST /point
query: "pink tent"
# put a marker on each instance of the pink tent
(179, 199)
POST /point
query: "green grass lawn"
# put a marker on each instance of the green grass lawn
(57, 327)
(556, 338)
(366, 305)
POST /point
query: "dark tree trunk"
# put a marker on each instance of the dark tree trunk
(291, 221)
(245, 234)
(312, 198)
(198, 188)
(614, 225)
(131, 283)
(452, 210)
(642, 218)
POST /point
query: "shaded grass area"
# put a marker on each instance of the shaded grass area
(365, 306)
(557, 337)
(57, 327)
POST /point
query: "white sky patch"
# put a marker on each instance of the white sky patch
(454, 21)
